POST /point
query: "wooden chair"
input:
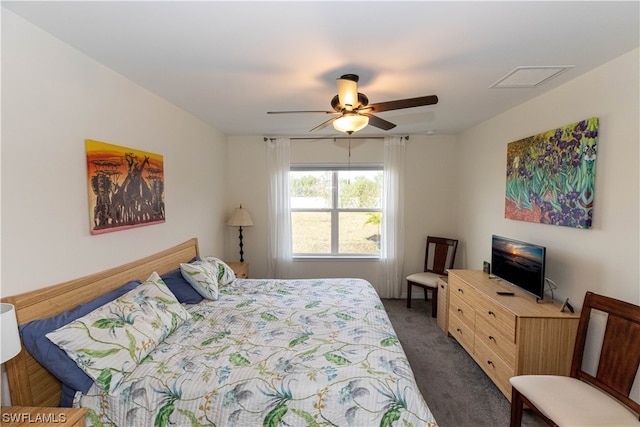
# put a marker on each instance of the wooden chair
(439, 255)
(583, 399)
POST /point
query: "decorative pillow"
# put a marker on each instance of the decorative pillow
(225, 274)
(109, 342)
(203, 277)
(52, 357)
(182, 289)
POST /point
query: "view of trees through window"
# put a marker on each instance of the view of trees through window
(336, 211)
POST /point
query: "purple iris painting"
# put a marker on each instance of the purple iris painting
(551, 176)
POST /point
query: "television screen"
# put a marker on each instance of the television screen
(519, 263)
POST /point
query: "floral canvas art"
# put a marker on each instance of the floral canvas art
(551, 176)
(126, 187)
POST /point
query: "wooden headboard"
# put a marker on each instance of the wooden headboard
(31, 384)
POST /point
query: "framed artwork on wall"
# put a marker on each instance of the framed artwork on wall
(551, 176)
(126, 187)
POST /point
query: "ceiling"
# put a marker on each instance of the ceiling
(228, 63)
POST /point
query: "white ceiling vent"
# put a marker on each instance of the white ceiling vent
(530, 76)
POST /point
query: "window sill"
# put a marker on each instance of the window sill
(314, 258)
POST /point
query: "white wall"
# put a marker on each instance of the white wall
(53, 98)
(603, 259)
(430, 185)
(247, 186)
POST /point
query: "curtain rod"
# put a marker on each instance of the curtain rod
(335, 137)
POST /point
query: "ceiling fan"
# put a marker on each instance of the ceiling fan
(354, 111)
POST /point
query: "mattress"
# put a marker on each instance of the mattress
(272, 352)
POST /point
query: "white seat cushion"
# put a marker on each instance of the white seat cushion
(426, 279)
(570, 402)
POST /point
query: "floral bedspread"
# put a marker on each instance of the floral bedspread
(271, 353)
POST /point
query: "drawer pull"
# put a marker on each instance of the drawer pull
(461, 291)
(491, 313)
(492, 338)
(442, 286)
(459, 330)
(489, 362)
(460, 310)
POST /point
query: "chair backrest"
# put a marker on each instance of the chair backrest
(620, 352)
(439, 254)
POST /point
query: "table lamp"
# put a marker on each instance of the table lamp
(9, 343)
(240, 218)
(10, 337)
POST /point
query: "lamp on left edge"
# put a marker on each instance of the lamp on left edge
(10, 337)
(9, 343)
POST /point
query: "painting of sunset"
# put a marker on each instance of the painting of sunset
(126, 187)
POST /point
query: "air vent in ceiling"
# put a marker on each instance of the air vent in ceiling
(530, 76)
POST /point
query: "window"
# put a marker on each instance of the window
(335, 210)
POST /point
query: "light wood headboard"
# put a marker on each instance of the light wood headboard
(31, 384)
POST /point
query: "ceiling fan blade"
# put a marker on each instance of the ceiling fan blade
(324, 125)
(301, 112)
(378, 122)
(402, 103)
(348, 92)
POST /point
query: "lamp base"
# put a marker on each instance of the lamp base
(241, 245)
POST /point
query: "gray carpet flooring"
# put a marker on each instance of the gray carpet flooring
(457, 391)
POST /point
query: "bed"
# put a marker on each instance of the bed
(265, 352)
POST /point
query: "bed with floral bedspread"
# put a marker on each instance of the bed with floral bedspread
(316, 352)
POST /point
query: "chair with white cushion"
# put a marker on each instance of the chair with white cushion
(439, 256)
(600, 398)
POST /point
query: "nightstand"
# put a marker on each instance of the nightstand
(241, 269)
(43, 417)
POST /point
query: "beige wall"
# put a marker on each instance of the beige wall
(456, 185)
(430, 185)
(53, 98)
(603, 259)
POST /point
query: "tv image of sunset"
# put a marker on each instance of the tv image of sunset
(518, 255)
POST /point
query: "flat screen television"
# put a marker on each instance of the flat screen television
(519, 263)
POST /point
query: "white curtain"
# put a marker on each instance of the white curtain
(280, 260)
(392, 241)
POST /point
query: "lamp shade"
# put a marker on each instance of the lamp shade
(240, 218)
(10, 339)
(350, 122)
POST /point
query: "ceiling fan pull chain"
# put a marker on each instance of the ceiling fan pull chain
(349, 160)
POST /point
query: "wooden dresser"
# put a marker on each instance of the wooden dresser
(508, 335)
(443, 303)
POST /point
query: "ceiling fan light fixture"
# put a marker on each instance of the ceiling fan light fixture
(350, 122)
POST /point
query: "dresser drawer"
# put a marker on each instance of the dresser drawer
(496, 341)
(497, 369)
(462, 290)
(500, 319)
(462, 333)
(462, 311)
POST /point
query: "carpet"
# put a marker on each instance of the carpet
(456, 390)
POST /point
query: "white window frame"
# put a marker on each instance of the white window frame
(335, 210)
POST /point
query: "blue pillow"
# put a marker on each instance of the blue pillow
(183, 291)
(52, 357)
(177, 284)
